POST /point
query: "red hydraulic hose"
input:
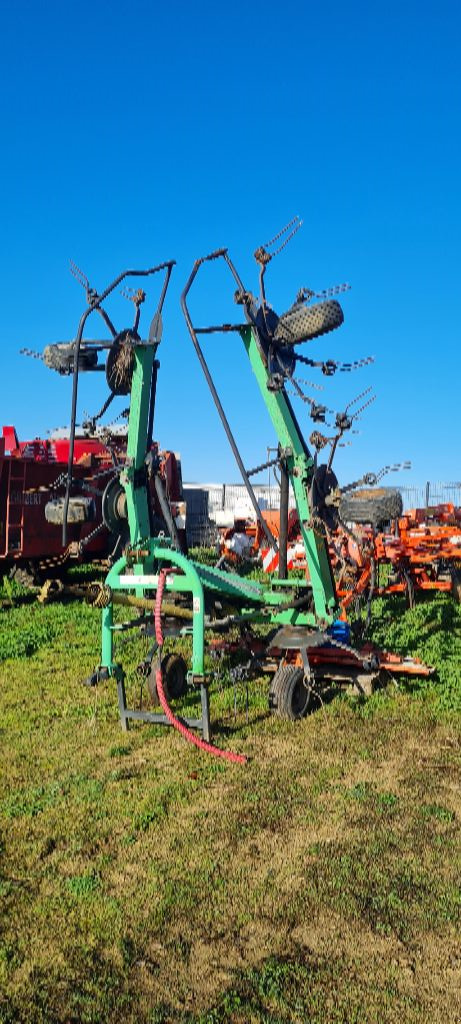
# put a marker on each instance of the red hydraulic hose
(209, 748)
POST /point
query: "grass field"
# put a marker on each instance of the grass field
(144, 881)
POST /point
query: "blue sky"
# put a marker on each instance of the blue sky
(136, 133)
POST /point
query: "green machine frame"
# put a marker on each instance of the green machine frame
(311, 604)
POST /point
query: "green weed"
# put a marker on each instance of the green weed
(438, 812)
(30, 802)
(83, 886)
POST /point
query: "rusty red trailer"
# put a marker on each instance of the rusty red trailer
(32, 475)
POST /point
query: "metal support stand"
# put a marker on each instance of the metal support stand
(126, 714)
(121, 694)
(205, 702)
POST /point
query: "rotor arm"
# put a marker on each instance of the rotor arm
(94, 303)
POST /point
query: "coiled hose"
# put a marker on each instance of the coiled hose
(209, 748)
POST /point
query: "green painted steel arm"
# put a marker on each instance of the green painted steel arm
(300, 465)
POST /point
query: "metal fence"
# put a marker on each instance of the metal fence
(211, 506)
(431, 494)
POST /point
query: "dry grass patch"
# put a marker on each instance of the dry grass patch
(142, 881)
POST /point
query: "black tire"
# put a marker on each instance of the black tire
(60, 357)
(80, 510)
(289, 697)
(323, 482)
(114, 510)
(302, 323)
(273, 690)
(174, 672)
(376, 506)
(456, 583)
(28, 575)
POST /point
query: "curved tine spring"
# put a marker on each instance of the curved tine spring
(319, 441)
(357, 399)
(136, 295)
(395, 468)
(30, 352)
(308, 362)
(291, 224)
(305, 294)
(292, 227)
(363, 407)
(120, 416)
(335, 289)
(79, 275)
(297, 390)
(309, 383)
(328, 367)
(55, 430)
(358, 364)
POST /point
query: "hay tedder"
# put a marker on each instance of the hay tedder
(289, 627)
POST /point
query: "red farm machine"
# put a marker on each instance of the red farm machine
(32, 481)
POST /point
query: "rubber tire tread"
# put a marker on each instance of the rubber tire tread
(375, 507)
(27, 576)
(169, 665)
(273, 689)
(456, 584)
(76, 513)
(302, 323)
(60, 357)
(283, 685)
